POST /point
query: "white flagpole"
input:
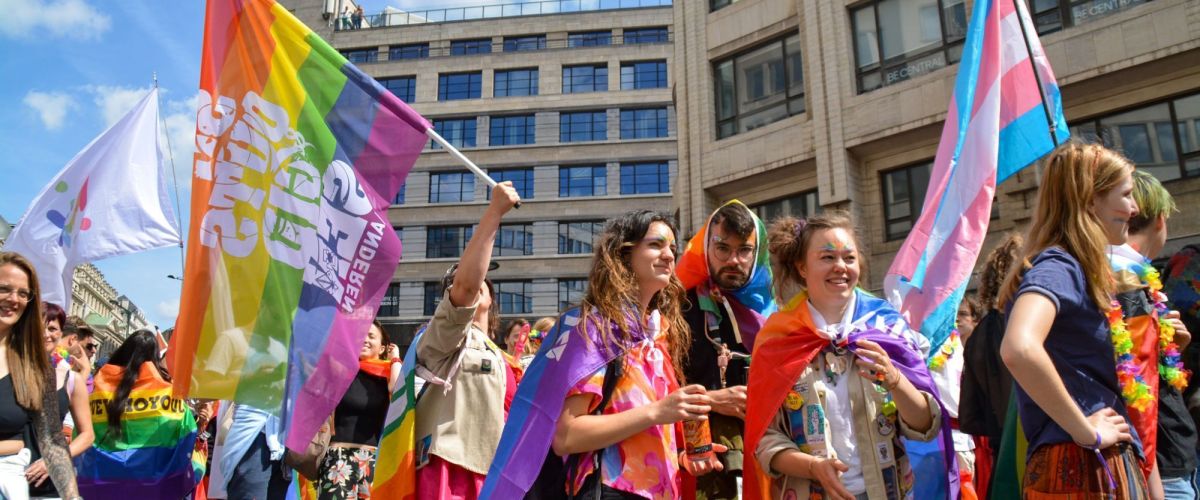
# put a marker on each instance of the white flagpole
(462, 159)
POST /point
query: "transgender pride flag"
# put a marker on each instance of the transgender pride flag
(290, 248)
(999, 122)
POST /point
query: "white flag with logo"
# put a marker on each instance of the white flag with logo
(111, 199)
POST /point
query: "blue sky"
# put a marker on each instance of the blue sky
(71, 68)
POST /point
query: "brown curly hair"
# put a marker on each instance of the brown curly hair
(788, 241)
(996, 267)
(612, 286)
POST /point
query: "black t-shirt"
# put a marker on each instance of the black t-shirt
(986, 381)
(359, 416)
(1176, 450)
(702, 357)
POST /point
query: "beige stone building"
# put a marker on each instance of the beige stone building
(110, 314)
(575, 108)
(791, 105)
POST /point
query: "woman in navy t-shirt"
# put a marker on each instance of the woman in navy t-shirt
(1058, 343)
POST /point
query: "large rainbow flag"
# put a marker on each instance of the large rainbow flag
(290, 248)
(155, 456)
(396, 470)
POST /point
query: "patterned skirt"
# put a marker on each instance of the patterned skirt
(1066, 471)
(346, 474)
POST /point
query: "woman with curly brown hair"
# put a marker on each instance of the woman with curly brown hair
(27, 394)
(604, 390)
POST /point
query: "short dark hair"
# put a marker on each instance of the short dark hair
(734, 218)
(83, 331)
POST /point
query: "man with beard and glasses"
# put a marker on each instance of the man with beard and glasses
(727, 274)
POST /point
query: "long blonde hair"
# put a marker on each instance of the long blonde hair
(1075, 175)
(28, 364)
(613, 288)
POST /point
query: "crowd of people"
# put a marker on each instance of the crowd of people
(750, 363)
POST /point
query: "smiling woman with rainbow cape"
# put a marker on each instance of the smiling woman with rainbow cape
(816, 429)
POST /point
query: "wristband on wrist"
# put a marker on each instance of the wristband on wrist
(1112, 483)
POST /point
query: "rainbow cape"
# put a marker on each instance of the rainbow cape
(155, 457)
(754, 301)
(572, 351)
(1009, 472)
(396, 466)
(290, 247)
(786, 345)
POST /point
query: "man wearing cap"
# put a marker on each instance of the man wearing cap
(471, 380)
(727, 274)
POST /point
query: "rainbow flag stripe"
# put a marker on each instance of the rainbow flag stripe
(154, 457)
(396, 471)
(290, 248)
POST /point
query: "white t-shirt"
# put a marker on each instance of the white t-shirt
(837, 402)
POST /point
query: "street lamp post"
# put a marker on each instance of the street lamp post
(123, 304)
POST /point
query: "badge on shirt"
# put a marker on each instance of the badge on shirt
(883, 452)
(485, 366)
(884, 425)
(423, 450)
(794, 400)
(814, 418)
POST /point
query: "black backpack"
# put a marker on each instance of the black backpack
(551, 483)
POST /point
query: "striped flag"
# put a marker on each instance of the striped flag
(290, 248)
(997, 124)
(1006, 112)
(396, 468)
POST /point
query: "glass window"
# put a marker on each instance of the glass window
(585, 180)
(399, 199)
(896, 40)
(455, 86)
(1047, 15)
(644, 75)
(470, 47)
(446, 241)
(799, 205)
(516, 297)
(578, 237)
(586, 78)
(656, 34)
(451, 187)
(643, 123)
(582, 126)
(404, 87)
(570, 293)
(516, 82)
(459, 132)
(390, 305)
(715, 5)
(903, 195)
(511, 130)
(409, 51)
(589, 38)
(433, 295)
(522, 43)
(1159, 138)
(646, 177)
(759, 87)
(358, 56)
(513, 240)
(522, 179)
(1091, 10)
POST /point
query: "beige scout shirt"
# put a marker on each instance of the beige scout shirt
(460, 421)
(875, 437)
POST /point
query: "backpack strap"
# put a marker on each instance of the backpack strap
(612, 373)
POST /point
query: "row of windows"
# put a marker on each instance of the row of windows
(512, 240)
(1161, 138)
(524, 81)
(575, 126)
(574, 181)
(521, 43)
(513, 297)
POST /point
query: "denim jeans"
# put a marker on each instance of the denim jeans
(13, 485)
(257, 477)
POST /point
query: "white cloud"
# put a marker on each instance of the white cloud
(51, 107)
(31, 19)
(168, 309)
(115, 102)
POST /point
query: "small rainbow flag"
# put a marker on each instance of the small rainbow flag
(396, 470)
(155, 455)
(290, 247)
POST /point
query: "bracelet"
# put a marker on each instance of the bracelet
(1112, 484)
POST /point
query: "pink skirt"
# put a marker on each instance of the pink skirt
(440, 479)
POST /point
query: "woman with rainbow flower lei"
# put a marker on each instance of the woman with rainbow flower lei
(1071, 395)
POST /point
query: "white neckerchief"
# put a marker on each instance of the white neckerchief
(839, 331)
